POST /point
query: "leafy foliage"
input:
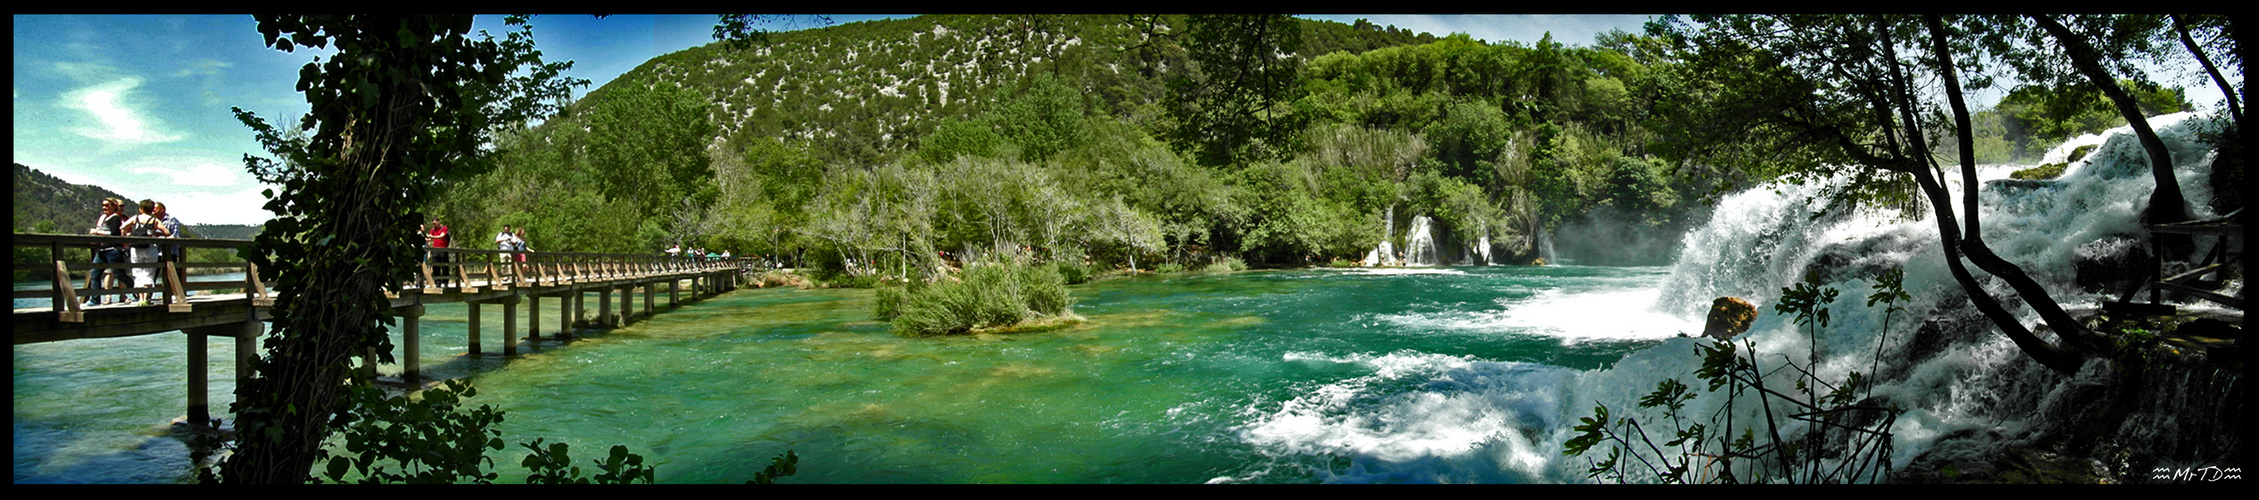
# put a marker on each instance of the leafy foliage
(426, 438)
(407, 102)
(1810, 437)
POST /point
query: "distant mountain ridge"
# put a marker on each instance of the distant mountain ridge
(72, 208)
(44, 198)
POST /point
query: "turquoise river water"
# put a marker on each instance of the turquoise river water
(1265, 376)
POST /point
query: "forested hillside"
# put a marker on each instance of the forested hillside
(63, 207)
(1140, 140)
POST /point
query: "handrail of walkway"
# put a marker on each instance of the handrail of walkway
(443, 270)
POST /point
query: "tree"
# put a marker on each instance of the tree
(1805, 96)
(2166, 204)
(647, 142)
(1246, 64)
(407, 104)
(2181, 27)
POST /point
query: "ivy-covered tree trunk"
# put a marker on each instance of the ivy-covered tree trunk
(405, 102)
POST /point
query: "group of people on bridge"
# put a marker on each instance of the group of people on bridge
(151, 221)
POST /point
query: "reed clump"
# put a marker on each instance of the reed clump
(989, 295)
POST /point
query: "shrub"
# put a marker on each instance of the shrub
(1169, 268)
(1074, 271)
(889, 301)
(2042, 172)
(992, 294)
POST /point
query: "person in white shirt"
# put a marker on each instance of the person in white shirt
(503, 241)
(144, 225)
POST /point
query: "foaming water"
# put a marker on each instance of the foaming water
(1570, 316)
(1765, 239)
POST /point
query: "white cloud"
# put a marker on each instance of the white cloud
(206, 67)
(196, 173)
(119, 122)
(234, 207)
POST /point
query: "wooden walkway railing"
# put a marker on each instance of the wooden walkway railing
(237, 307)
(446, 272)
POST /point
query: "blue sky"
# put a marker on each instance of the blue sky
(140, 103)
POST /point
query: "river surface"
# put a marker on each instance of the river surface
(1323, 375)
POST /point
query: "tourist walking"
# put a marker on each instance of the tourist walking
(144, 225)
(104, 253)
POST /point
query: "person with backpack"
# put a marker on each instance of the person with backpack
(104, 253)
(144, 225)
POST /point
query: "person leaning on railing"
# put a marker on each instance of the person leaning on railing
(104, 253)
(144, 225)
(173, 253)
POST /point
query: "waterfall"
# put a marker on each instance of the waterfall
(1970, 380)
(1545, 246)
(1482, 246)
(1385, 253)
(1419, 244)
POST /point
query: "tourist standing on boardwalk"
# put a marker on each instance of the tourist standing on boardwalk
(144, 225)
(437, 238)
(104, 253)
(519, 241)
(504, 241)
(172, 230)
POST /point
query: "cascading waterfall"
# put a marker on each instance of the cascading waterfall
(1762, 240)
(1385, 253)
(1502, 421)
(1419, 245)
(1482, 246)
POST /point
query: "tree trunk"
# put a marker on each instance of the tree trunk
(2166, 205)
(322, 322)
(1972, 242)
(2235, 109)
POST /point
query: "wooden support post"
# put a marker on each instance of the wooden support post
(604, 306)
(411, 346)
(674, 292)
(174, 300)
(247, 352)
(67, 309)
(566, 306)
(579, 307)
(474, 326)
(648, 310)
(199, 381)
(510, 324)
(533, 317)
(627, 303)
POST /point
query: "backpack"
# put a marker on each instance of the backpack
(144, 226)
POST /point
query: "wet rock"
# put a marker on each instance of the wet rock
(1729, 316)
(1863, 258)
(2108, 264)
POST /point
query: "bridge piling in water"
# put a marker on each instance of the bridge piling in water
(238, 309)
(473, 319)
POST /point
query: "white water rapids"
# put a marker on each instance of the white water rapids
(1473, 420)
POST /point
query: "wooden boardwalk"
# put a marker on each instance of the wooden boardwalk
(238, 308)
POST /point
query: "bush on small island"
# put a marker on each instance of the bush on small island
(999, 293)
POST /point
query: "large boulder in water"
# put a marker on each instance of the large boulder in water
(1729, 316)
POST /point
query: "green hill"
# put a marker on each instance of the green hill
(862, 90)
(69, 208)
